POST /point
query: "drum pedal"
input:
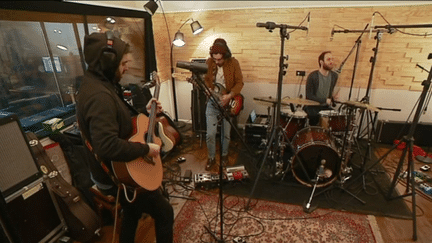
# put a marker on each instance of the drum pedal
(344, 179)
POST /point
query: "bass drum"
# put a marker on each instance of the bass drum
(311, 146)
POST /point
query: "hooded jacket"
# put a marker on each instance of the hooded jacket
(104, 119)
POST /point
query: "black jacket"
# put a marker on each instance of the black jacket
(104, 119)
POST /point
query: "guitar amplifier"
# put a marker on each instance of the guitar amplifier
(388, 131)
(256, 128)
(34, 215)
(28, 210)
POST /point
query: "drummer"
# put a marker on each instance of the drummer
(320, 86)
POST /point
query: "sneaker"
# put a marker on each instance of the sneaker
(210, 163)
(225, 160)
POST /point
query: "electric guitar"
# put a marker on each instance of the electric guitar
(167, 133)
(234, 106)
(145, 172)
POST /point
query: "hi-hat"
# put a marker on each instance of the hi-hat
(267, 101)
(301, 101)
(361, 105)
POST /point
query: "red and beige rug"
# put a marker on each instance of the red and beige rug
(268, 222)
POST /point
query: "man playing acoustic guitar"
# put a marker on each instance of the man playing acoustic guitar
(106, 125)
(225, 70)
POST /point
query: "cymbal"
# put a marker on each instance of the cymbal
(267, 101)
(301, 101)
(361, 105)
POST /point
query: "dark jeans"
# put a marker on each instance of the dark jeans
(152, 203)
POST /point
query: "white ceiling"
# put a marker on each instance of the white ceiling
(187, 6)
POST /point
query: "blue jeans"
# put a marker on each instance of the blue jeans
(212, 118)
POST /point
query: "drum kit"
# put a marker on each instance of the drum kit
(320, 154)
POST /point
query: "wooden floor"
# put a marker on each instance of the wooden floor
(391, 229)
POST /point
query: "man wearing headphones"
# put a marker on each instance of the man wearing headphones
(105, 122)
(225, 70)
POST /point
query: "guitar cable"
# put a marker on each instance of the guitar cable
(116, 215)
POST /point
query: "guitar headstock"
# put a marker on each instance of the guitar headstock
(155, 78)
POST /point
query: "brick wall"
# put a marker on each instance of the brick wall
(258, 50)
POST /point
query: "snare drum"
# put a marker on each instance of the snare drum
(311, 146)
(292, 122)
(333, 120)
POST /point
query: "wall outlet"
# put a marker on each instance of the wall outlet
(301, 73)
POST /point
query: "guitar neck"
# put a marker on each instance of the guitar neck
(152, 118)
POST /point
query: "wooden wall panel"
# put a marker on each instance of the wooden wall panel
(258, 50)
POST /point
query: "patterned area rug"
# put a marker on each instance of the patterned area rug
(268, 222)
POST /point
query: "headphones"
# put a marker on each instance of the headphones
(227, 51)
(109, 55)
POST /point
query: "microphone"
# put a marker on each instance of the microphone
(272, 25)
(267, 25)
(292, 107)
(332, 34)
(333, 103)
(321, 168)
(308, 25)
(193, 66)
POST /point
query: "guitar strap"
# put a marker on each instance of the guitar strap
(102, 163)
(104, 167)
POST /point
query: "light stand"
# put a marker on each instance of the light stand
(179, 41)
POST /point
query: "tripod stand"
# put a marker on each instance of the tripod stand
(409, 140)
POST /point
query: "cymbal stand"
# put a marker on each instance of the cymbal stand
(277, 129)
(357, 47)
(366, 98)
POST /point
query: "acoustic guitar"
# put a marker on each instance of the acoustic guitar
(234, 106)
(145, 172)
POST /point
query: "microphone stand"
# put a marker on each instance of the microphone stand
(410, 178)
(222, 115)
(357, 47)
(277, 128)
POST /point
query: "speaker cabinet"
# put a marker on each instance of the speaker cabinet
(198, 110)
(388, 131)
(28, 209)
(34, 214)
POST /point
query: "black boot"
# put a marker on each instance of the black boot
(210, 163)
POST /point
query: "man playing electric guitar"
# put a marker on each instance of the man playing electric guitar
(225, 70)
